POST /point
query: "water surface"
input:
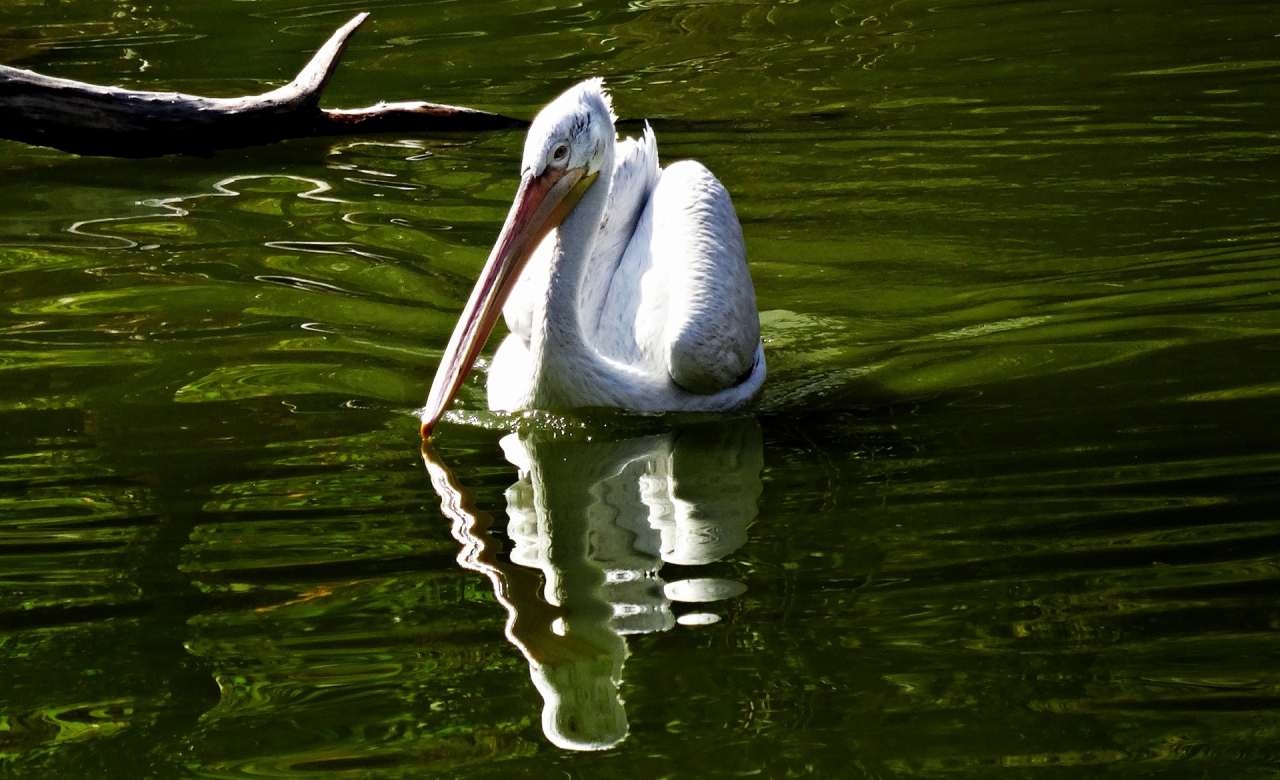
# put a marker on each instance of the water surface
(1006, 508)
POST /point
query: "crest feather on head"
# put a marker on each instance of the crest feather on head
(595, 86)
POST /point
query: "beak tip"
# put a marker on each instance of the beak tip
(426, 430)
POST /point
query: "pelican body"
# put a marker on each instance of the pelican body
(623, 284)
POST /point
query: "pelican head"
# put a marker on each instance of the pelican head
(574, 131)
(569, 143)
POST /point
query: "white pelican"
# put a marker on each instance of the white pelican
(624, 285)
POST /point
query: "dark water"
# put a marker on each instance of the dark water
(1007, 507)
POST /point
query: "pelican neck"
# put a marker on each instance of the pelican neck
(557, 329)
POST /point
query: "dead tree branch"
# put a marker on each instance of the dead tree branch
(93, 120)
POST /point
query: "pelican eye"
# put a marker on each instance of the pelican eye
(560, 152)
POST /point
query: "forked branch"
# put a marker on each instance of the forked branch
(89, 119)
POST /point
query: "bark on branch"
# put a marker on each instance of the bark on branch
(94, 120)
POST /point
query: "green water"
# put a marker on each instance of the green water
(1006, 508)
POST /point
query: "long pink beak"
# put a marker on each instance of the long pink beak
(541, 204)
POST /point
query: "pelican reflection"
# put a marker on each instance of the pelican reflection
(592, 524)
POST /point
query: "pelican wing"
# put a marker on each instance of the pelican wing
(710, 329)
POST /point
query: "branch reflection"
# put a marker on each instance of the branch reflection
(592, 524)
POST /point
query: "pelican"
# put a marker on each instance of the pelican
(623, 284)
